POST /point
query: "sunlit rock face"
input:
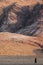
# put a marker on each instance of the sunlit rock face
(22, 19)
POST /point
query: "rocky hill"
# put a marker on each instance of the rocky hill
(25, 20)
(21, 27)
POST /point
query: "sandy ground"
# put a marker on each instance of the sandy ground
(20, 60)
(18, 45)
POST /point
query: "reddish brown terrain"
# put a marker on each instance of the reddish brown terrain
(15, 44)
(15, 37)
(5, 3)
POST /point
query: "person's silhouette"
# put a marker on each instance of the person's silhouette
(35, 60)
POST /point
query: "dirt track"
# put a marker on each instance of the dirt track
(20, 60)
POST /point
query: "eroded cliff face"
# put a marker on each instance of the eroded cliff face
(27, 20)
(19, 17)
